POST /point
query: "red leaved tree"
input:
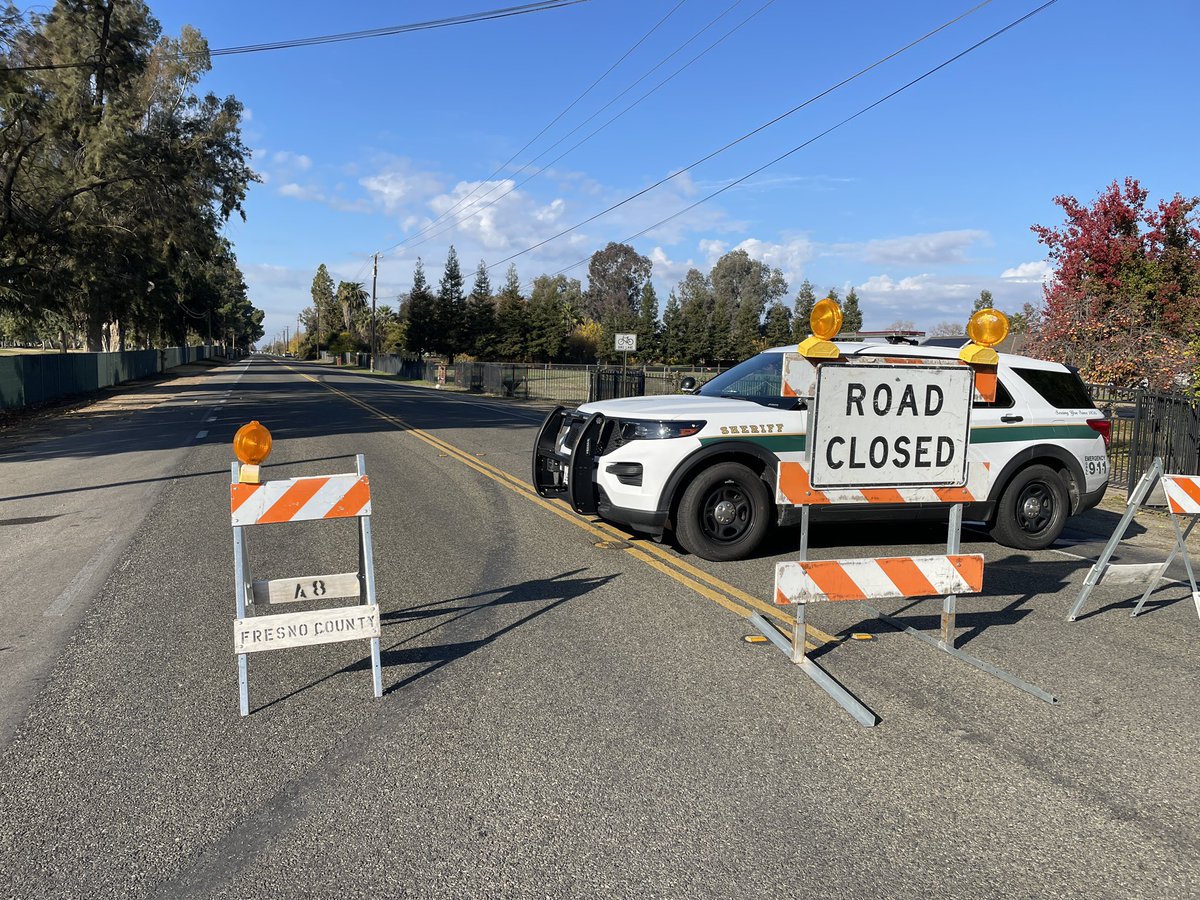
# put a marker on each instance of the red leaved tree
(1124, 302)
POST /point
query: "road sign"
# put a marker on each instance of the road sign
(318, 626)
(626, 343)
(891, 426)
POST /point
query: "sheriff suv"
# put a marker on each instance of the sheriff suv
(703, 465)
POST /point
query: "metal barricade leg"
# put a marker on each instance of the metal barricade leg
(950, 601)
(367, 568)
(1163, 574)
(1135, 501)
(242, 582)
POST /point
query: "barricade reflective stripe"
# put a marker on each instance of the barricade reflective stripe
(1183, 494)
(300, 500)
(794, 487)
(877, 579)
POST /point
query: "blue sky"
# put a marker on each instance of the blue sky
(918, 203)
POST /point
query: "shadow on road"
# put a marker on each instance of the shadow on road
(553, 592)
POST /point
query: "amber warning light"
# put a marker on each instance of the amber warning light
(251, 445)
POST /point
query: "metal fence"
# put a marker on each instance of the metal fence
(30, 379)
(1148, 424)
(550, 382)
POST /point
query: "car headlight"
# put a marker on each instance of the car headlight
(648, 430)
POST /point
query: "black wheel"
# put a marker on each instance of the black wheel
(1032, 510)
(723, 513)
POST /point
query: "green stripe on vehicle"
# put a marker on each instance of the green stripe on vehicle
(994, 434)
(776, 443)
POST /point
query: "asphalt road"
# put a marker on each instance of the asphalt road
(568, 711)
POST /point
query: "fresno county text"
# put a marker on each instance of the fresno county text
(322, 626)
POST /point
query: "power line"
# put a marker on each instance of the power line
(796, 149)
(387, 31)
(547, 127)
(478, 208)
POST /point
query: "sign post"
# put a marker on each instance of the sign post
(625, 344)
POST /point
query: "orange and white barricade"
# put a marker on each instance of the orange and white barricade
(328, 497)
(881, 431)
(1183, 501)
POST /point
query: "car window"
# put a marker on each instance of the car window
(1003, 399)
(758, 379)
(1062, 390)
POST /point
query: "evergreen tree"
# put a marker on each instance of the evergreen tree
(778, 329)
(451, 310)
(420, 315)
(984, 301)
(852, 319)
(512, 319)
(550, 316)
(481, 316)
(695, 306)
(647, 324)
(671, 342)
(806, 299)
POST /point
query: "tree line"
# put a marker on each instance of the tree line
(116, 179)
(716, 318)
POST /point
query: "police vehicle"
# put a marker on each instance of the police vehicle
(703, 465)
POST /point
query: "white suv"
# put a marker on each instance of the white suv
(703, 465)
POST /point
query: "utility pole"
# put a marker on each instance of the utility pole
(286, 343)
(374, 279)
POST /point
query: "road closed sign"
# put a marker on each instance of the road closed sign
(891, 426)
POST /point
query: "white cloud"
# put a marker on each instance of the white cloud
(285, 159)
(791, 256)
(917, 249)
(1037, 272)
(399, 185)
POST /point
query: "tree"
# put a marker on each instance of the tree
(512, 319)
(616, 276)
(324, 305)
(806, 299)
(777, 330)
(744, 286)
(647, 323)
(852, 320)
(1123, 304)
(351, 299)
(480, 331)
(116, 177)
(984, 301)
(551, 316)
(450, 314)
(420, 315)
(695, 315)
(671, 343)
(947, 329)
(901, 325)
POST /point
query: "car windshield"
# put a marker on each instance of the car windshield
(757, 379)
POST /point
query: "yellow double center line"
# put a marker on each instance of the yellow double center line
(704, 584)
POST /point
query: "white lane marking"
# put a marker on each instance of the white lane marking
(201, 434)
(1072, 555)
(71, 594)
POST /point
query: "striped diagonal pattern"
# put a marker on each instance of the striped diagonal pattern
(300, 499)
(877, 579)
(794, 487)
(1183, 494)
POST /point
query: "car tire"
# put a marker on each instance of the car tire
(1032, 509)
(723, 513)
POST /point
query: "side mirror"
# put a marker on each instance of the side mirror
(688, 385)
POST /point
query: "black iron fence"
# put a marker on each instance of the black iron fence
(550, 382)
(1147, 424)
